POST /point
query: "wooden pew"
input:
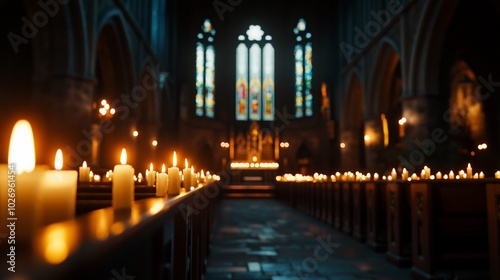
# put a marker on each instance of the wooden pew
(399, 232)
(347, 207)
(337, 203)
(376, 215)
(493, 204)
(449, 225)
(358, 211)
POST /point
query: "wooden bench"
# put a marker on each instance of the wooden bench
(337, 203)
(449, 226)
(399, 234)
(347, 207)
(358, 211)
(376, 216)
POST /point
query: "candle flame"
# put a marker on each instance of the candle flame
(84, 164)
(163, 169)
(192, 169)
(151, 166)
(175, 159)
(186, 162)
(123, 157)
(22, 147)
(58, 162)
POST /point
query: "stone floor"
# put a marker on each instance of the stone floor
(265, 239)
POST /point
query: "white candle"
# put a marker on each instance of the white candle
(161, 182)
(481, 175)
(84, 172)
(57, 194)
(187, 176)
(439, 175)
(123, 184)
(427, 172)
(394, 174)
(469, 171)
(91, 176)
(26, 178)
(451, 175)
(174, 181)
(193, 177)
(150, 175)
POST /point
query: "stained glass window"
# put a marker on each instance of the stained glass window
(205, 71)
(255, 76)
(303, 71)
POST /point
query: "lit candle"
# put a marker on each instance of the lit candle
(174, 181)
(469, 171)
(481, 175)
(404, 174)
(451, 175)
(123, 184)
(475, 176)
(193, 177)
(91, 176)
(394, 174)
(187, 176)
(25, 180)
(445, 176)
(423, 174)
(439, 175)
(375, 176)
(414, 176)
(150, 175)
(497, 175)
(139, 178)
(161, 182)
(427, 172)
(84, 172)
(57, 194)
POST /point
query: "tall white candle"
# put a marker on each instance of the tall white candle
(469, 171)
(84, 172)
(187, 176)
(151, 175)
(174, 181)
(161, 182)
(123, 184)
(57, 194)
(26, 180)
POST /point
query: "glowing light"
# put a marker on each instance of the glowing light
(402, 121)
(342, 145)
(84, 164)
(56, 249)
(22, 147)
(135, 133)
(154, 143)
(103, 102)
(175, 159)
(58, 162)
(123, 157)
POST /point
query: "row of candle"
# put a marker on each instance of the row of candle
(36, 195)
(425, 174)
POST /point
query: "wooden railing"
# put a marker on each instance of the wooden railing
(158, 238)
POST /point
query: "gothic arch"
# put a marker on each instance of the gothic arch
(428, 46)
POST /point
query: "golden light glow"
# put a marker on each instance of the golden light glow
(157, 207)
(22, 147)
(385, 130)
(103, 102)
(123, 157)
(154, 143)
(84, 164)
(186, 163)
(342, 145)
(58, 162)
(175, 160)
(163, 169)
(135, 133)
(254, 158)
(402, 121)
(151, 166)
(56, 247)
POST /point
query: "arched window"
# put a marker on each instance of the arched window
(205, 71)
(255, 76)
(303, 71)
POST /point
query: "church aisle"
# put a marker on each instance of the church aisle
(265, 239)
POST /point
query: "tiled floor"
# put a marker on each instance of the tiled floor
(265, 239)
